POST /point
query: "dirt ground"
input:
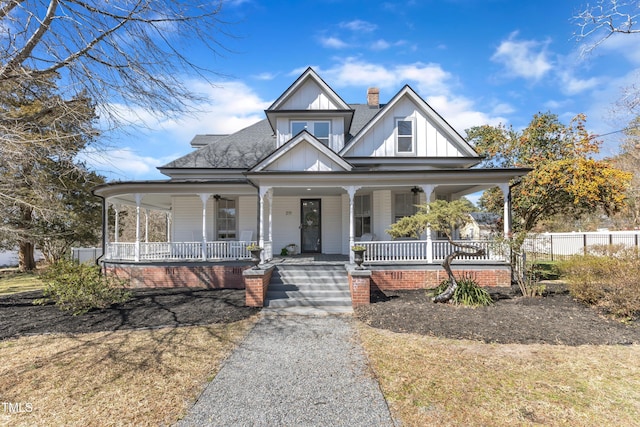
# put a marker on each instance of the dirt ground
(553, 319)
(149, 308)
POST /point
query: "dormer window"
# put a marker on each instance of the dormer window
(319, 129)
(404, 136)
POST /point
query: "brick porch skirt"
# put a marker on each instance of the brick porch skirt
(179, 275)
(389, 278)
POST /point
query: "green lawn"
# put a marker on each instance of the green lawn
(14, 282)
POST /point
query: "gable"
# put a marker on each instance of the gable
(309, 92)
(303, 153)
(432, 136)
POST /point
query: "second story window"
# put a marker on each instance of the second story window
(404, 136)
(319, 129)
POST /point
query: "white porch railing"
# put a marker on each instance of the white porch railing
(419, 250)
(182, 251)
(377, 251)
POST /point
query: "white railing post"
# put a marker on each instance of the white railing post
(138, 197)
(428, 192)
(116, 208)
(262, 192)
(351, 191)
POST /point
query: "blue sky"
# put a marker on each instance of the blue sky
(475, 61)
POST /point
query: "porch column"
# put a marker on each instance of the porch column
(146, 225)
(270, 200)
(428, 191)
(168, 216)
(506, 194)
(204, 197)
(138, 197)
(351, 191)
(262, 192)
(116, 208)
(105, 227)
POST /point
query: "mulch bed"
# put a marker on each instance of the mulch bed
(553, 319)
(149, 308)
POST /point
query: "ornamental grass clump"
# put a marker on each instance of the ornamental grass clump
(467, 293)
(80, 287)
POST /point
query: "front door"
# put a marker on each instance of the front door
(310, 231)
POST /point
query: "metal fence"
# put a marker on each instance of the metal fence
(559, 246)
(85, 255)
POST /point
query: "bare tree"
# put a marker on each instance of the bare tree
(121, 56)
(602, 20)
(119, 52)
(599, 21)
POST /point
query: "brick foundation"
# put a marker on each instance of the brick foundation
(405, 279)
(256, 284)
(212, 276)
(360, 287)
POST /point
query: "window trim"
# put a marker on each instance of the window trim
(398, 136)
(312, 123)
(218, 218)
(357, 214)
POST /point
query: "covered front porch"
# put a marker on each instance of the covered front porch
(216, 220)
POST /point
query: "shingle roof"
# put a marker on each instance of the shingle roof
(245, 148)
(240, 150)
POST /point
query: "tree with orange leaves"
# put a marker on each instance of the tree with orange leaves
(566, 177)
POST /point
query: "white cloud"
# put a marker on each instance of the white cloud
(426, 78)
(431, 81)
(523, 58)
(231, 106)
(572, 85)
(625, 45)
(265, 76)
(333, 43)
(460, 113)
(380, 45)
(124, 163)
(358, 25)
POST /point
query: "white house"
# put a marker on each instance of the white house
(316, 172)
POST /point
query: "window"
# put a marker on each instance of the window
(319, 129)
(404, 205)
(404, 136)
(362, 214)
(226, 219)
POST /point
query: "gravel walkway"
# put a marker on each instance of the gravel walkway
(294, 371)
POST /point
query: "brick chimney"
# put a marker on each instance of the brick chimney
(373, 97)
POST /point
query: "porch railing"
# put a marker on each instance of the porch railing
(429, 251)
(181, 251)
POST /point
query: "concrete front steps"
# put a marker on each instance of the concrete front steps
(308, 289)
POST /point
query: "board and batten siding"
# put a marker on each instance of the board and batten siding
(309, 96)
(304, 157)
(380, 140)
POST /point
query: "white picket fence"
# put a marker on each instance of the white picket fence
(558, 246)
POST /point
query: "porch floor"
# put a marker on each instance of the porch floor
(311, 259)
